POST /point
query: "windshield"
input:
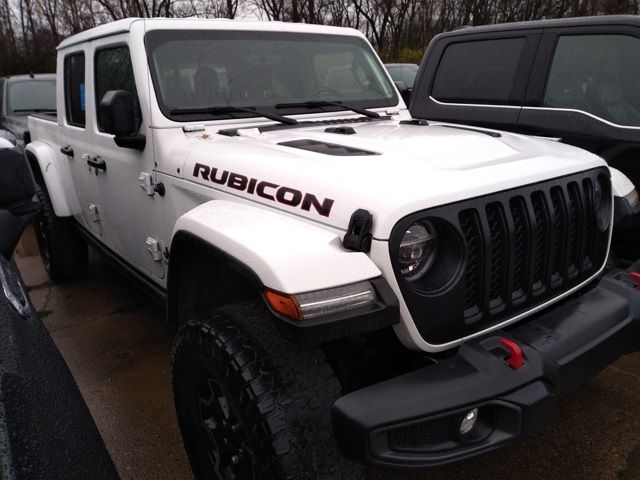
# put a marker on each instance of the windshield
(192, 69)
(404, 73)
(26, 96)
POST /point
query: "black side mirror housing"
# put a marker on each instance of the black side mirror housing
(117, 117)
(405, 92)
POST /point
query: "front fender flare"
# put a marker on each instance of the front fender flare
(286, 254)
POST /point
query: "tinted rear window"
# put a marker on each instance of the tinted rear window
(74, 89)
(478, 72)
(597, 74)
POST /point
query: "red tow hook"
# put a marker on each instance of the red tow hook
(636, 278)
(516, 358)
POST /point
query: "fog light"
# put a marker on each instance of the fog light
(468, 421)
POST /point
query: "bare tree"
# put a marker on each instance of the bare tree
(30, 29)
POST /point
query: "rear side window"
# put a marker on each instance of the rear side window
(115, 72)
(1, 98)
(478, 72)
(75, 103)
(597, 74)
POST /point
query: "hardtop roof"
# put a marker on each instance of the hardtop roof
(632, 20)
(123, 26)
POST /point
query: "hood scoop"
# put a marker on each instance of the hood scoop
(326, 148)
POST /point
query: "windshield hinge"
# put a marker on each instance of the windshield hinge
(157, 249)
(145, 180)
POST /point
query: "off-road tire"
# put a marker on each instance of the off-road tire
(280, 394)
(64, 253)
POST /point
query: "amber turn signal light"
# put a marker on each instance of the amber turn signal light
(283, 304)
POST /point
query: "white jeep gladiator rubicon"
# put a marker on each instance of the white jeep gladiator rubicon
(350, 285)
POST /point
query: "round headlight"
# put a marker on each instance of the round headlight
(418, 250)
(602, 203)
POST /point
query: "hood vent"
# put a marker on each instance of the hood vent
(327, 148)
(340, 130)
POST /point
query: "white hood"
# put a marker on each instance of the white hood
(409, 168)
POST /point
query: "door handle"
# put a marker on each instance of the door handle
(68, 151)
(97, 163)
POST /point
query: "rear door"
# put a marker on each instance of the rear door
(584, 88)
(73, 137)
(477, 79)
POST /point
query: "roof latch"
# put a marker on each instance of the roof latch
(358, 236)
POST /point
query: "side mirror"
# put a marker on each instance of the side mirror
(405, 92)
(117, 117)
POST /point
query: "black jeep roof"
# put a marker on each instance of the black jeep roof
(632, 20)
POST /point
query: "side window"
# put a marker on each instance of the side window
(113, 71)
(597, 74)
(75, 103)
(479, 71)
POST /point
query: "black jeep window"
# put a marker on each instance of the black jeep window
(597, 74)
(74, 89)
(115, 72)
(478, 72)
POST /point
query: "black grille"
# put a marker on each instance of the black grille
(522, 247)
(562, 248)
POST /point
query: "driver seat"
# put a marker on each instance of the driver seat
(206, 87)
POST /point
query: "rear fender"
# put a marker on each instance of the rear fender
(53, 169)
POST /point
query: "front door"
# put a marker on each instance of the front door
(125, 205)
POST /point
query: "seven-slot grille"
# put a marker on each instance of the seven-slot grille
(529, 246)
(518, 249)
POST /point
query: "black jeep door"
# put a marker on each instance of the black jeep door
(584, 90)
(475, 78)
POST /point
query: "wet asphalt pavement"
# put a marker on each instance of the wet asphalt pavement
(117, 346)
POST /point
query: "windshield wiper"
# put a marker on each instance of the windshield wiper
(221, 110)
(325, 103)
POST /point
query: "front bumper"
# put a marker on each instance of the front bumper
(414, 420)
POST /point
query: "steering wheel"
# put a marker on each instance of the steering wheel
(324, 89)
